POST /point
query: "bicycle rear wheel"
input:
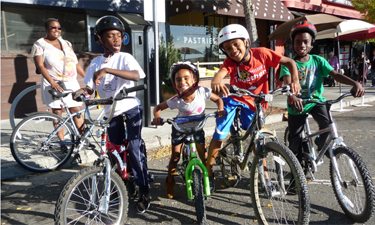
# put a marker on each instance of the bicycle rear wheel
(356, 194)
(28, 147)
(199, 199)
(80, 199)
(283, 198)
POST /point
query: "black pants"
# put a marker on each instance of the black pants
(137, 150)
(296, 124)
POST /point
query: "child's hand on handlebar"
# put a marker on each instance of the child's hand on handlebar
(157, 121)
(295, 103)
(357, 90)
(218, 87)
(220, 113)
(295, 87)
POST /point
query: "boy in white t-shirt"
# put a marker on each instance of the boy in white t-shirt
(108, 74)
(190, 101)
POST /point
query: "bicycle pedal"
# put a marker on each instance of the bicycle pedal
(78, 158)
(232, 178)
(174, 174)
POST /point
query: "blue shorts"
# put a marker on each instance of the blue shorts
(223, 124)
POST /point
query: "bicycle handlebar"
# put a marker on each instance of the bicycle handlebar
(108, 101)
(261, 96)
(328, 102)
(177, 120)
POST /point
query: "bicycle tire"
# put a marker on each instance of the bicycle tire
(199, 199)
(27, 139)
(230, 170)
(268, 209)
(75, 205)
(286, 139)
(355, 199)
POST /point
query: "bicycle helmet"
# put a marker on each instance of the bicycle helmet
(107, 23)
(184, 65)
(303, 26)
(230, 32)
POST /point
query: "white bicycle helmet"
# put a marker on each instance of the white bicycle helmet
(232, 31)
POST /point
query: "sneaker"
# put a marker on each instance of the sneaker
(64, 149)
(212, 184)
(92, 146)
(143, 204)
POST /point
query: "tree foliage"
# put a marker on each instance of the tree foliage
(168, 55)
(367, 8)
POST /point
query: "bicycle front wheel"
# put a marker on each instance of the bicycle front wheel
(278, 187)
(199, 199)
(80, 201)
(29, 145)
(356, 192)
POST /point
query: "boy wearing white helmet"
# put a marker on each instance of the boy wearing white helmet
(248, 69)
(108, 74)
(190, 101)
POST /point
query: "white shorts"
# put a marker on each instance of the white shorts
(56, 104)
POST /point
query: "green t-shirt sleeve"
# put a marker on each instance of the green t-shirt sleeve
(325, 67)
(283, 71)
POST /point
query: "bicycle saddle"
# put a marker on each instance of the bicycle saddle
(57, 94)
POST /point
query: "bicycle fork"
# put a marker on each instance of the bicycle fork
(265, 180)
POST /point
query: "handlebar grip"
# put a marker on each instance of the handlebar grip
(136, 88)
(161, 122)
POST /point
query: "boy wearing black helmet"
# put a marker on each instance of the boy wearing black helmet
(108, 74)
(190, 101)
(311, 70)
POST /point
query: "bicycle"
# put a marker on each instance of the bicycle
(278, 187)
(98, 194)
(35, 143)
(354, 193)
(191, 169)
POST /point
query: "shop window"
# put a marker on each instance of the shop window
(195, 35)
(21, 27)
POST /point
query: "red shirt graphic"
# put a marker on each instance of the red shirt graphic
(253, 76)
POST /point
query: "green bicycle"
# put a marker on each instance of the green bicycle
(191, 169)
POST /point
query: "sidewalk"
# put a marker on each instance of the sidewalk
(156, 137)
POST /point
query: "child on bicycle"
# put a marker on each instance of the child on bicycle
(311, 71)
(190, 101)
(248, 69)
(108, 74)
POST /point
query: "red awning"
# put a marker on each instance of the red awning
(264, 9)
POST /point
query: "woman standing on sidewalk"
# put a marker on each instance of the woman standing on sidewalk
(58, 64)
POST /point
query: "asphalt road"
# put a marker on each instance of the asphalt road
(31, 200)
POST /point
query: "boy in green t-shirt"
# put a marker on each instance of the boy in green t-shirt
(311, 70)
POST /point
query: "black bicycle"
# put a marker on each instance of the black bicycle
(278, 186)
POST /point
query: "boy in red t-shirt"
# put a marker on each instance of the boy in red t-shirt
(248, 69)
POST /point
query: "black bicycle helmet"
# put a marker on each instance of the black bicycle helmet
(184, 65)
(108, 23)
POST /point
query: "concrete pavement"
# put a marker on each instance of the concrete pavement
(156, 137)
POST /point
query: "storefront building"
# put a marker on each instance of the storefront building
(23, 24)
(195, 26)
(340, 8)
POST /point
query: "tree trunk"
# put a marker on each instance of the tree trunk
(251, 26)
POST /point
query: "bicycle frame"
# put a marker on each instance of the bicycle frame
(191, 163)
(333, 140)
